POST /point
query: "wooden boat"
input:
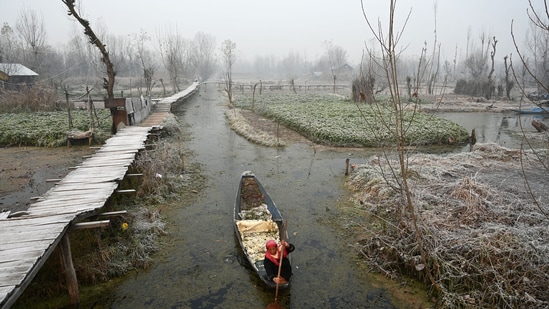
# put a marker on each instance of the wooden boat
(256, 220)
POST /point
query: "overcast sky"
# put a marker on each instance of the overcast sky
(262, 28)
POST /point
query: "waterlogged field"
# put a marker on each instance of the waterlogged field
(49, 129)
(333, 120)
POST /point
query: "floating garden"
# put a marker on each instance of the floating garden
(50, 129)
(334, 120)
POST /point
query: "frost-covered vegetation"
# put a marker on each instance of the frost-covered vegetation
(333, 120)
(49, 129)
(485, 239)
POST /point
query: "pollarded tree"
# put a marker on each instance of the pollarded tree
(94, 40)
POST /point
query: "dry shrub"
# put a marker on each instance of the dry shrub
(31, 99)
(487, 243)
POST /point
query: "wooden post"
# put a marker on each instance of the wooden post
(473, 137)
(347, 166)
(68, 269)
(540, 126)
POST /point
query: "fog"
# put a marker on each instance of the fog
(275, 28)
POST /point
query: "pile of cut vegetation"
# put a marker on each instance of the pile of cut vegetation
(256, 226)
(485, 237)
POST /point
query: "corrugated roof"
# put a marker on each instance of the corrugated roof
(16, 69)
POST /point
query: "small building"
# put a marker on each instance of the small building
(15, 76)
(345, 72)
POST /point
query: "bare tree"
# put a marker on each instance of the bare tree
(337, 57)
(477, 65)
(205, 55)
(292, 65)
(189, 59)
(541, 22)
(171, 47)
(388, 64)
(363, 85)
(31, 30)
(228, 54)
(8, 45)
(145, 59)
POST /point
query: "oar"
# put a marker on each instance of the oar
(275, 305)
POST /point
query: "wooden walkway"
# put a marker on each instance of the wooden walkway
(27, 239)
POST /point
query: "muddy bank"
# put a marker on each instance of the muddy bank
(25, 171)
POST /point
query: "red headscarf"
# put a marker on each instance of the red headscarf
(274, 259)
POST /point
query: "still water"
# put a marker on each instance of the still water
(203, 267)
(507, 129)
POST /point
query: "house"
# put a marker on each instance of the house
(344, 72)
(13, 76)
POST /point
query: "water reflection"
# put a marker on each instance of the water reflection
(506, 129)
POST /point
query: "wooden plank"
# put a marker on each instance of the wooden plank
(12, 278)
(91, 224)
(92, 179)
(112, 214)
(34, 243)
(16, 263)
(121, 155)
(72, 211)
(109, 151)
(73, 198)
(112, 158)
(63, 205)
(29, 235)
(6, 233)
(82, 187)
(5, 290)
(26, 253)
(101, 172)
(56, 196)
(52, 221)
(104, 163)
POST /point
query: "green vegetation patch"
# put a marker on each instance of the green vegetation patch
(334, 120)
(49, 129)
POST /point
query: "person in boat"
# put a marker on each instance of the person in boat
(272, 261)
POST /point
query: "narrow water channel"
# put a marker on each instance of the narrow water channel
(204, 267)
